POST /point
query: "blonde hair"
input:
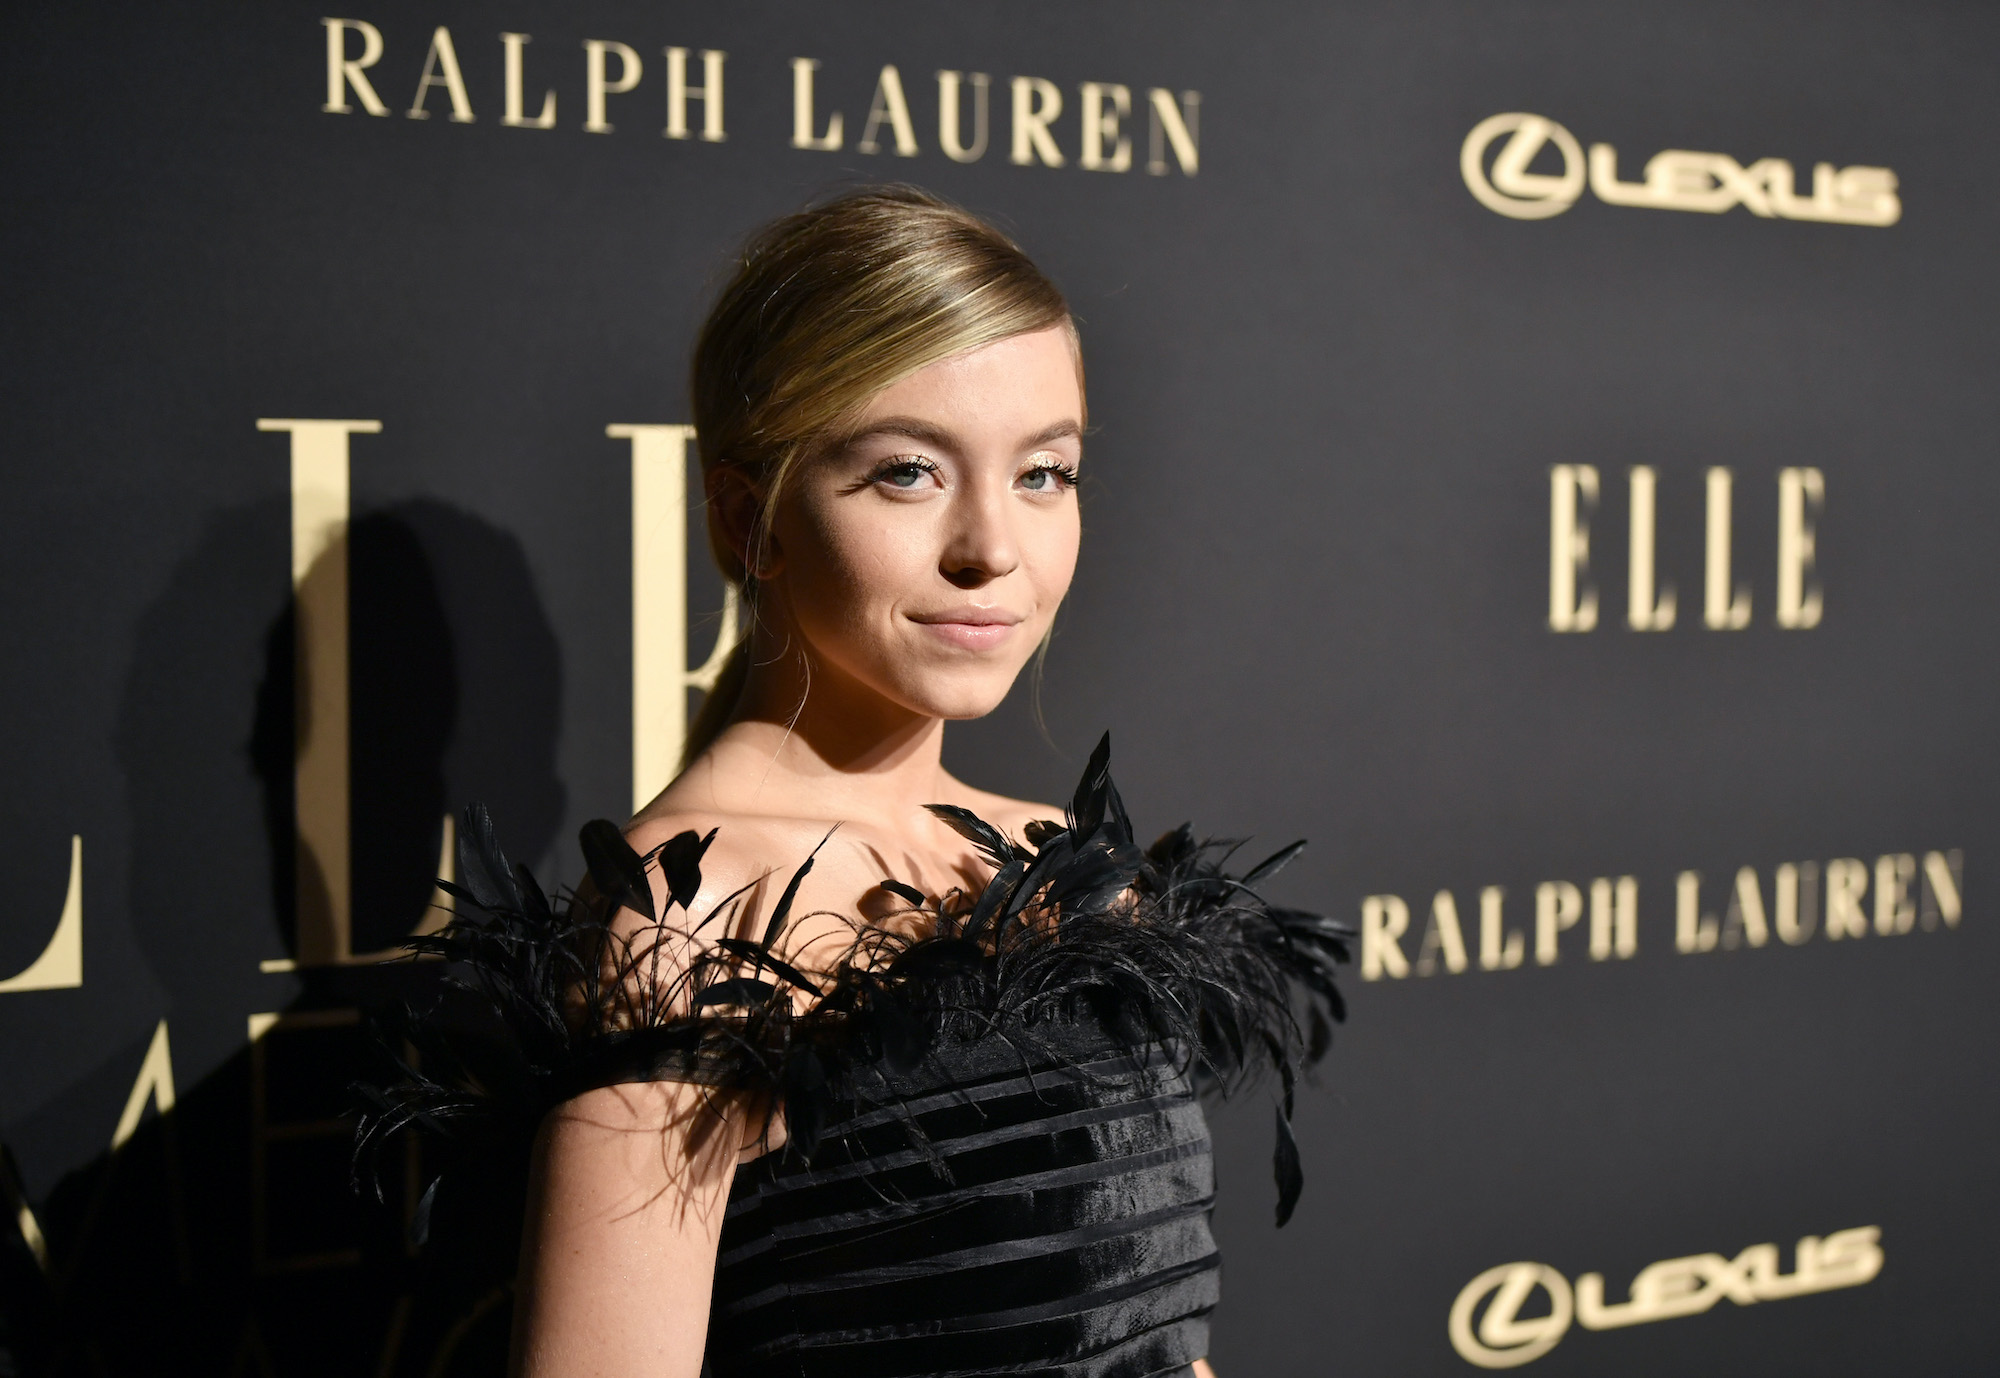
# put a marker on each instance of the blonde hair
(825, 309)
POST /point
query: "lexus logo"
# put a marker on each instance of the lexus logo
(1504, 1338)
(1487, 1328)
(1674, 179)
(1511, 189)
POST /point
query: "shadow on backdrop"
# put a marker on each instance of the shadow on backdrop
(221, 1237)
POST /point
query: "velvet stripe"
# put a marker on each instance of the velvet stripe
(1008, 1226)
(1045, 1161)
(1004, 1211)
(1018, 1103)
(983, 1207)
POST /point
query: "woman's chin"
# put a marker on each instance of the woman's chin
(958, 701)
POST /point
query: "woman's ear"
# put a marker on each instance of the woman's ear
(734, 505)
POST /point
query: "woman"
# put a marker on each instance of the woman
(849, 1067)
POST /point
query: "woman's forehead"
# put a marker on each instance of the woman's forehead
(1025, 382)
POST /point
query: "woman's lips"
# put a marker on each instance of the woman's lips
(974, 629)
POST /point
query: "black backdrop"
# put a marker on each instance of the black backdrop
(1340, 403)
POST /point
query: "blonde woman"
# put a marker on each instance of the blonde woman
(838, 1064)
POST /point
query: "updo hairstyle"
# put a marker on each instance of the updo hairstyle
(825, 309)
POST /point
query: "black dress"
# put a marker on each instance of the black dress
(995, 1159)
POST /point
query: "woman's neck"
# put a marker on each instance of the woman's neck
(823, 745)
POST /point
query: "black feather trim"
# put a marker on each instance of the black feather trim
(908, 893)
(1291, 1177)
(1269, 866)
(420, 1218)
(740, 990)
(760, 957)
(1040, 830)
(983, 835)
(489, 879)
(782, 915)
(1162, 944)
(615, 868)
(1086, 809)
(680, 863)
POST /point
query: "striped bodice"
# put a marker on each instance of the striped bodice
(1004, 1210)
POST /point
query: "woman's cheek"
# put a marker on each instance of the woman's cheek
(898, 556)
(878, 570)
(868, 567)
(840, 555)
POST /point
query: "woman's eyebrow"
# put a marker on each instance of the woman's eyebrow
(909, 427)
(930, 433)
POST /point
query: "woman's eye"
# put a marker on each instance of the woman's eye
(1048, 478)
(905, 474)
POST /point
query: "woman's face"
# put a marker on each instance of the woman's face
(925, 557)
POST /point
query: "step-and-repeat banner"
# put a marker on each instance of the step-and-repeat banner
(1544, 455)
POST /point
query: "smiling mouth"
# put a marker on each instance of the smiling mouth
(973, 629)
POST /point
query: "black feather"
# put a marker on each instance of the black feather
(738, 990)
(1173, 848)
(761, 956)
(1271, 865)
(615, 868)
(457, 891)
(420, 1218)
(1321, 1037)
(994, 896)
(937, 960)
(680, 863)
(483, 867)
(535, 903)
(1056, 852)
(1291, 1177)
(909, 893)
(990, 841)
(1039, 830)
(1166, 944)
(1119, 825)
(1086, 809)
(782, 914)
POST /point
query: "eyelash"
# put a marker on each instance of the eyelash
(890, 466)
(1065, 472)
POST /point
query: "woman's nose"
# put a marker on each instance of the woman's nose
(982, 545)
